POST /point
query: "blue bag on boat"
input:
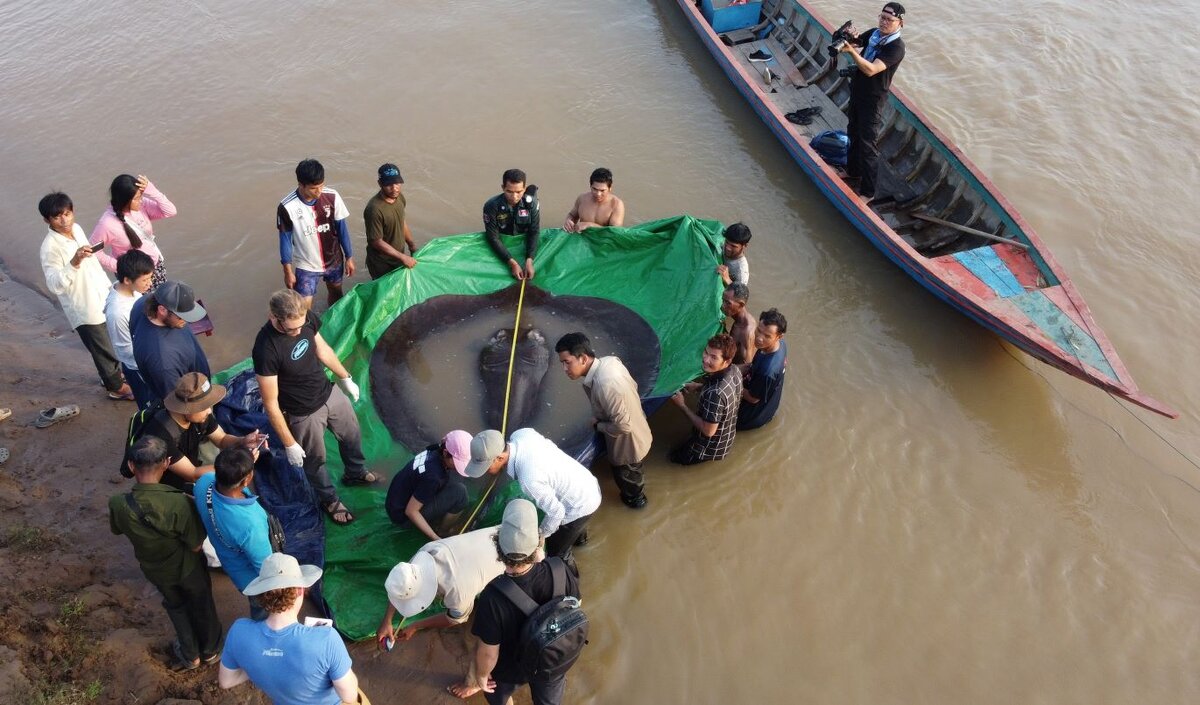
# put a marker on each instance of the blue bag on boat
(833, 146)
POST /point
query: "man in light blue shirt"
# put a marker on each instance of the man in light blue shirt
(292, 663)
(236, 523)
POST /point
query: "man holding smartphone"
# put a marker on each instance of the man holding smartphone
(79, 282)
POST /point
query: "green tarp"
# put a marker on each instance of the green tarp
(662, 270)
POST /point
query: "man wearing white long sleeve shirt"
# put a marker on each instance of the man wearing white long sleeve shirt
(563, 489)
(79, 282)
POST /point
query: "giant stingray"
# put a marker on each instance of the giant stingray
(443, 364)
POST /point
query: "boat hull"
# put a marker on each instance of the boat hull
(942, 276)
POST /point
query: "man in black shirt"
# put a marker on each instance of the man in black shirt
(882, 52)
(498, 621)
(290, 358)
(513, 212)
(185, 423)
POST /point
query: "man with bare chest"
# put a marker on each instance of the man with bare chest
(596, 208)
(733, 304)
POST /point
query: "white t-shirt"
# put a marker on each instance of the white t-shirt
(315, 244)
(116, 314)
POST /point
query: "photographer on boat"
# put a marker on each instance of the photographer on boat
(876, 54)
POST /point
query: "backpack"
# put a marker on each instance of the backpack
(137, 425)
(554, 632)
(833, 146)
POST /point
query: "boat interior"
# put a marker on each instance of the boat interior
(919, 194)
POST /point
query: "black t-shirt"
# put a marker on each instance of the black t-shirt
(499, 621)
(303, 386)
(764, 382)
(181, 442)
(423, 482)
(876, 87)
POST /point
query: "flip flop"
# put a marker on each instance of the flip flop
(798, 119)
(337, 509)
(3, 455)
(5, 414)
(51, 416)
(370, 478)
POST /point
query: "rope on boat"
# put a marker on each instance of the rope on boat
(512, 357)
(1187, 458)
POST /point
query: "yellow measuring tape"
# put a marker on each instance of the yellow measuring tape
(512, 357)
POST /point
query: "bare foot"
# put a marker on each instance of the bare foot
(462, 690)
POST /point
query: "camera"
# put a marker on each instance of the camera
(840, 36)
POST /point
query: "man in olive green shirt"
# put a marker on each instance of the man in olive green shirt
(161, 523)
(387, 232)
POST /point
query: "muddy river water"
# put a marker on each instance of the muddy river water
(933, 518)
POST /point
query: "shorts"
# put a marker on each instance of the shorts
(306, 281)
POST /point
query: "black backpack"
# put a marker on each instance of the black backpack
(137, 425)
(554, 632)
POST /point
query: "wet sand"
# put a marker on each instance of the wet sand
(88, 616)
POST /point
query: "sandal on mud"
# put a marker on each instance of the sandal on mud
(368, 478)
(210, 660)
(49, 417)
(121, 396)
(339, 513)
(5, 414)
(3, 455)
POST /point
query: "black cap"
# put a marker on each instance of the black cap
(390, 174)
(896, 9)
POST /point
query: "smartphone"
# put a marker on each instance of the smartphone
(262, 442)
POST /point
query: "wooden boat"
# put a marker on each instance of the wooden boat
(935, 215)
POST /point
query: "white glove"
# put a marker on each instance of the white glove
(295, 455)
(347, 385)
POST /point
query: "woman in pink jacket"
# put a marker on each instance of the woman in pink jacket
(126, 225)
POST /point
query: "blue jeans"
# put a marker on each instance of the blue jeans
(141, 390)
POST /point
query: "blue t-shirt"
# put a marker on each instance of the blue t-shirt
(764, 382)
(163, 355)
(241, 539)
(293, 666)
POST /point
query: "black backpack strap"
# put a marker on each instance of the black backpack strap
(509, 588)
(558, 575)
(212, 516)
(141, 515)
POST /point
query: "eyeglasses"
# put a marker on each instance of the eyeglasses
(284, 328)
